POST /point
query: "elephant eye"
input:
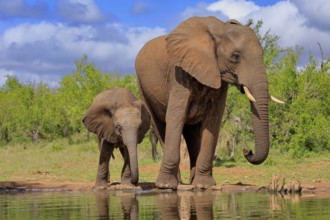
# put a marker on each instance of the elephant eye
(235, 57)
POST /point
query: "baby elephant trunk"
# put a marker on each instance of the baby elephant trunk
(133, 163)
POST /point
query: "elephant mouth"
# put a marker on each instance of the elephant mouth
(240, 88)
(230, 76)
(234, 82)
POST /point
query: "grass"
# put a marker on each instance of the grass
(76, 160)
(61, 160)
(314, 168)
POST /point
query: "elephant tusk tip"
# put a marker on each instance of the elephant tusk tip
(277, 100)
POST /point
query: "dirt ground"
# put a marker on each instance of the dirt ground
(315, 189)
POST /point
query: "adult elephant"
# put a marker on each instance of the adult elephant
(183, 78)
(119, 120)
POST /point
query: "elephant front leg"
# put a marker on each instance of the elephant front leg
(175, 118)
(202, 177)
(103, 176)
(210, 129)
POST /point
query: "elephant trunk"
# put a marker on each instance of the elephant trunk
(133, 162)
(260, 124)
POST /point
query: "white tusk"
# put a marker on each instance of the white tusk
(276, 100)
(248, 94)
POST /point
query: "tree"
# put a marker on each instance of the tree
(305, 124)
(15, 97)
(76, 92)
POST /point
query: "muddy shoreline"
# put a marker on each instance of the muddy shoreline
(14, 187)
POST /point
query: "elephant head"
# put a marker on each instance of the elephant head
(214, 52)
(122, 124)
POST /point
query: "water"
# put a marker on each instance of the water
(165, 205)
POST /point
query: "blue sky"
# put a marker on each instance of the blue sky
(41, 39)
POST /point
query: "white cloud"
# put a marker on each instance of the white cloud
(79, 10)
(33, 33)
(199, 10)
(286, 20)
(235, 9)
(317, 13)
(46, 51)
(296, 22)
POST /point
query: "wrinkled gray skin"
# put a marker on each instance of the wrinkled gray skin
(119, 120)
(183, 78)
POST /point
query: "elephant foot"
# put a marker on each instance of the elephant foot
(166, 181)
(101, 185)
(125, 187)
(203, 182)
(126, 181)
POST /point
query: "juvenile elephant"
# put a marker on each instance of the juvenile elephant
(119, 120)
(183, 78)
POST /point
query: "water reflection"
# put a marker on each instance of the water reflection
(207, 205)
(162, 205)
(186, 205)
(129, 205)
(196, 205)
(277, 200)
(169, 205)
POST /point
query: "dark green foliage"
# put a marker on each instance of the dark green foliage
(303, 124)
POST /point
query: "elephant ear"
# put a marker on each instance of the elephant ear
(98, 119)
(145, 118)
(192, 46)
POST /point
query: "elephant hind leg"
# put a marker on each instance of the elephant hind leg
(192, 136)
